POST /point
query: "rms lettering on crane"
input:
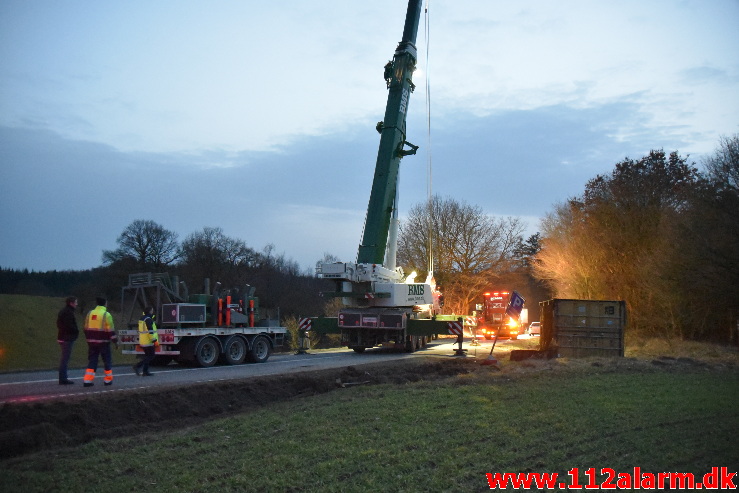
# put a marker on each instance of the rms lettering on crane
(403, 100)
(415, 289)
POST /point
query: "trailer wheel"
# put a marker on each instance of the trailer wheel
(207, 352)
(411, 344)
(260, 350)
(234, 350)
(358, 349)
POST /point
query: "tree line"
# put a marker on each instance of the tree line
(146, 246)
(661, 235)
(656, 232)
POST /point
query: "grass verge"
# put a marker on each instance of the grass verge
(427, 436)
(28, 335)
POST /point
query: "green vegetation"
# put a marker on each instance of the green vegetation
(28, 335)
(667, 406)
(658, 234)
(536, 416)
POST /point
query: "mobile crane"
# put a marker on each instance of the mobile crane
(381, 304)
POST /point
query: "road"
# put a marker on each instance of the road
(40, 386)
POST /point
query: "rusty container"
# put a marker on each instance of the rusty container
(582, 328)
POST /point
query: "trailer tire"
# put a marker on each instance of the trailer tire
(411, 344)
(261, 348)
(234, 350)
(207, 352)
(358, 349)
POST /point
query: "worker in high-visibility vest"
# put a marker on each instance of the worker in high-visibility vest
(99, 332)
(148, 340)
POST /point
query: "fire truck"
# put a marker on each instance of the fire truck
(494, 318)
(201, 329)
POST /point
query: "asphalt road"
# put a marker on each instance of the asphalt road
(39, 386)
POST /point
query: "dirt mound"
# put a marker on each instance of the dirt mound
(26, 428)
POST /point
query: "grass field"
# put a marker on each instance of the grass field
(667, 407)
(28, 335)
(426, 436)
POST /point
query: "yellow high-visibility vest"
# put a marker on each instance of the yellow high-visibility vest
(99, 325)
(146, 336)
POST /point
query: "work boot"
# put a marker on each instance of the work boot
(137, 370)
(107, 384)
(148, 374)
(86, 384)
(65, 382)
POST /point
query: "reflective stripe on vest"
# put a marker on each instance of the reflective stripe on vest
(147, 336)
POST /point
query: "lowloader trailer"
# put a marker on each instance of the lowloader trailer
(200, 329)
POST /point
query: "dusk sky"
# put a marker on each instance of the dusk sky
(259, 117)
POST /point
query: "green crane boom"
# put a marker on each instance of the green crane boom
(381, 304)
(398, 74)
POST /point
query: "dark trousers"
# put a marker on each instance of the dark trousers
(149, 353)
(96, 350)
(66, 347)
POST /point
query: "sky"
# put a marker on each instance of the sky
(259, 117)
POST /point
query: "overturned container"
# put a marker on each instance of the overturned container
(582, 328)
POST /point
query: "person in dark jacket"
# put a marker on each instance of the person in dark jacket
(67, 333)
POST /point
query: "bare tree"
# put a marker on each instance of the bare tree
(211, 254)
(268, 259)
(147, 244)
(705, 258)
(570, 259)
(470, 248)
(723, 166)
